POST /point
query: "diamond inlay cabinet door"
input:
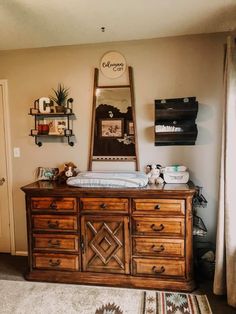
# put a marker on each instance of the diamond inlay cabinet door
(105, 244)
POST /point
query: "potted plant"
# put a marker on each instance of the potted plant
(60, 97)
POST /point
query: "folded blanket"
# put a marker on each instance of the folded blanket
(133, 179)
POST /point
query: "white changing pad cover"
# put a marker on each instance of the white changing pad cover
(111, 179)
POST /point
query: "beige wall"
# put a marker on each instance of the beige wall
(163, 68)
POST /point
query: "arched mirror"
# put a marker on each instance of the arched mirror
(114, 136)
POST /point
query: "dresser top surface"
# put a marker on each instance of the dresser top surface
(150, 189)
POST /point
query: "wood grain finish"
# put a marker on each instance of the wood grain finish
(54, 242)
(56, 261)
(54, 204)
(118, 280)
(52, 223)
(158, 226)
(105, 244)
(121, 237)
(104, 204)
(111, 147)
(158, 206)
(158, 267)
(158, 247)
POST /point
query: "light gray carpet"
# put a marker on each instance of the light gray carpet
(21, 297)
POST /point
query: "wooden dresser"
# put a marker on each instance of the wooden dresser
(119, 237)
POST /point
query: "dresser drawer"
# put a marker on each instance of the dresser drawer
(160, 226)
(53, 242)
(158, 267)
(54, 204)
(158, 247)
(54, 223)
(55, 261)
(159, 206)
(105, 204)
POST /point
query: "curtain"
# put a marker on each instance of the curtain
(225, 271)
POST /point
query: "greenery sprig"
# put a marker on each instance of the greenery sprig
(61, 95)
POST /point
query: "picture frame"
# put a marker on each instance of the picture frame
(57, 126)
(47, 174)
(111, 128)
(130, 127)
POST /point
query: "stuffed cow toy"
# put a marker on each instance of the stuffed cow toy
(69, 171)
(153, 172)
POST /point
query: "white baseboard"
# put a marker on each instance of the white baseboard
(21, 253)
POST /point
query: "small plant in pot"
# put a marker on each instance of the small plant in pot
(60, 97)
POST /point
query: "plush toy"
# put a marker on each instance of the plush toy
(69, 171)
(153, 172)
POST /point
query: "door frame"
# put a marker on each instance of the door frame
(6, 126)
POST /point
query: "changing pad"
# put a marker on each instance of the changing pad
(133, 179)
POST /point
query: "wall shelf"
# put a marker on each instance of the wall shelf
(52, 125)
(51, 114)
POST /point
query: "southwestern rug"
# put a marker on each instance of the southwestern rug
(23, 297)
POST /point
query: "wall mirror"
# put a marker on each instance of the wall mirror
(113, 135)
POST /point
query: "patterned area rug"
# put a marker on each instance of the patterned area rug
(23, 297)
(175, 303)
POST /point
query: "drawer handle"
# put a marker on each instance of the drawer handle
(157, 249)
(103, 205)
(157, 207)
(53, 225)
(54, 263)
(157, 270)
(157, 228)
(57, 243)
(53, 205)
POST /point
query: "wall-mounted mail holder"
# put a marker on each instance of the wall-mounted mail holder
(175, 121)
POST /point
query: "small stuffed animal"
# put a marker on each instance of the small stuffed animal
(153, 173)
(69, 171)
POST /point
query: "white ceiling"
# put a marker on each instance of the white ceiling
(43, 23)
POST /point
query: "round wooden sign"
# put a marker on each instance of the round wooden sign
(113, 64)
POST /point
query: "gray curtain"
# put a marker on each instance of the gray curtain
(225, 271)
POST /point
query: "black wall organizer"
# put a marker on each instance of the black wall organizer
(175, 121)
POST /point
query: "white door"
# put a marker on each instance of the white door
(5, 243)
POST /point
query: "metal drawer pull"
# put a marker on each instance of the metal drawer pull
(157, 228)
(161, 248)
(157, 207)
(57, 243)
(53, 225)
(54, 263)
(157, 270)
(53, 205)
(103, 205)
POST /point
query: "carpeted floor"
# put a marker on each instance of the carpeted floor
(47, 298)
(23, 297)
(13, 267)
